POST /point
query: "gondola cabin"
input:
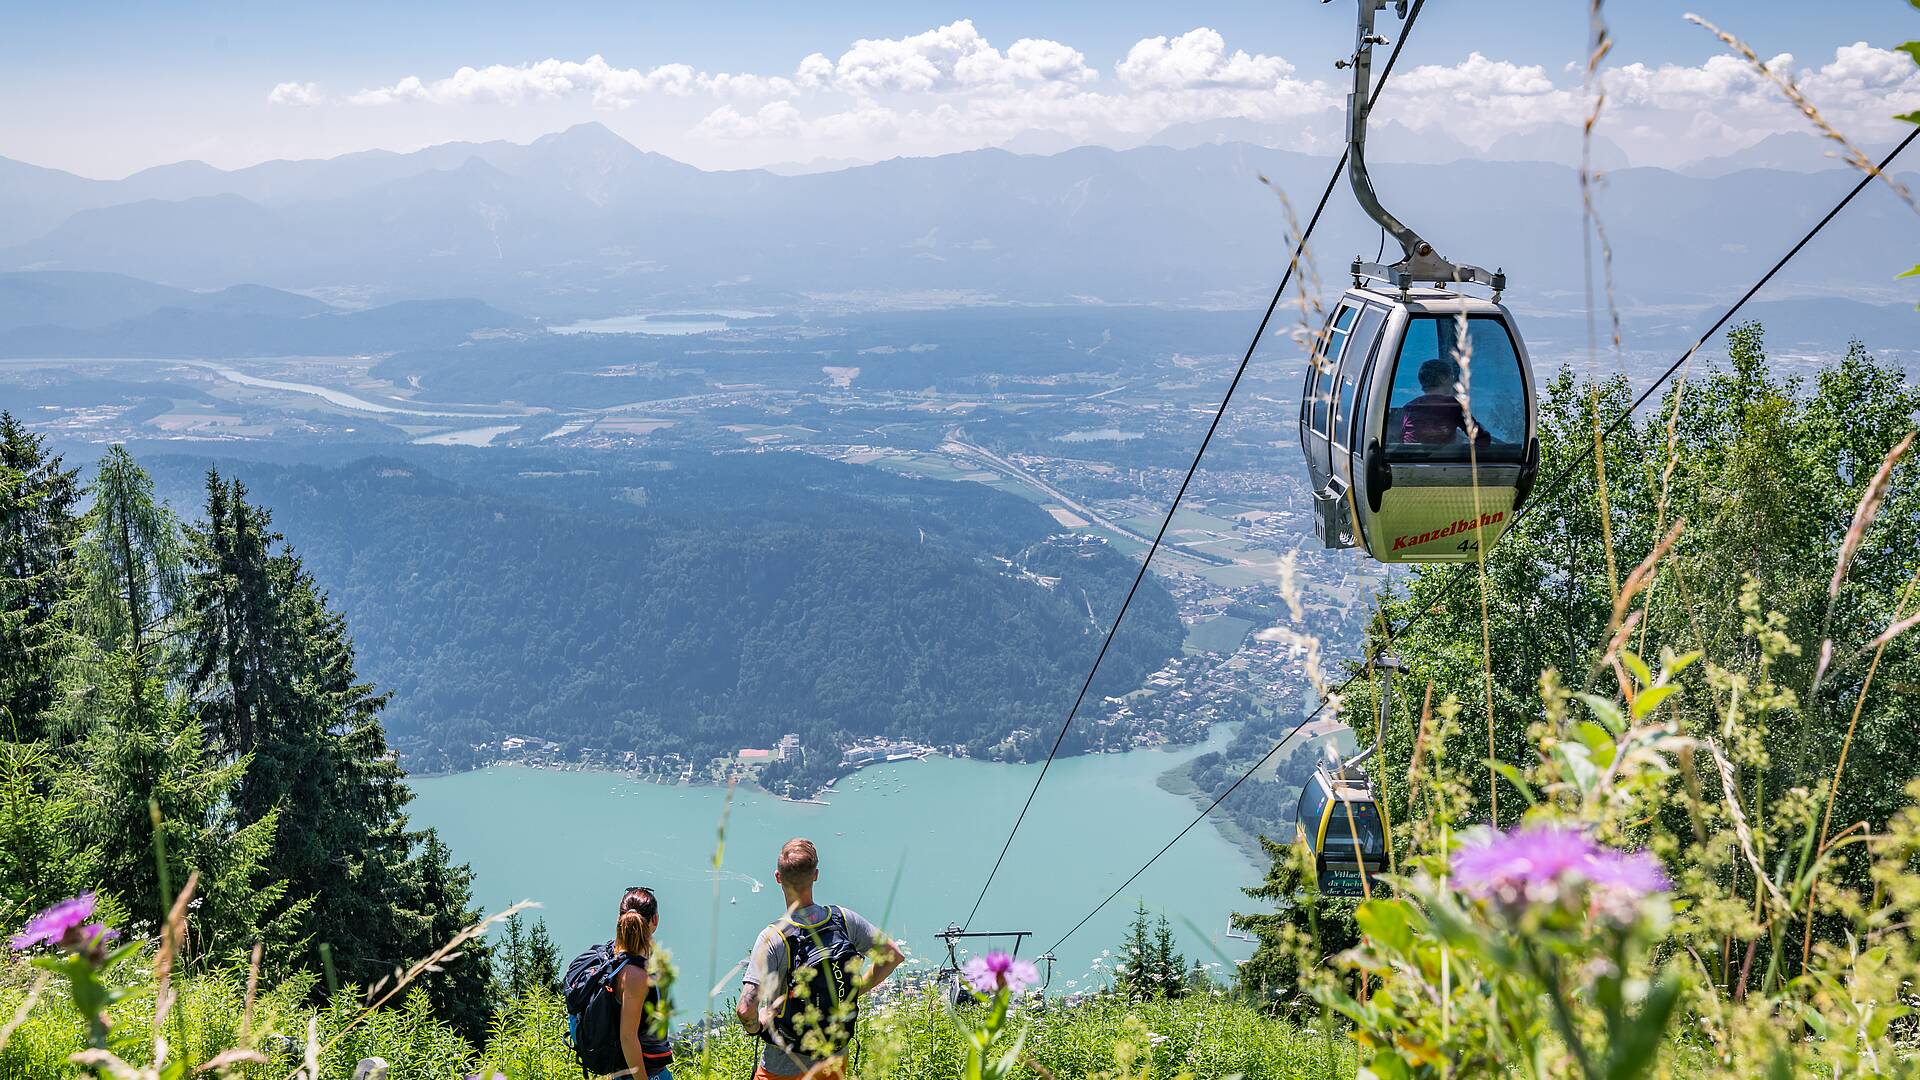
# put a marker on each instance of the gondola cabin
(1394, 388)
(1340, 823)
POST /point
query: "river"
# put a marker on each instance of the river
(906, 844)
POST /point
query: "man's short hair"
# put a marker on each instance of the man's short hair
(1438, 373)
(798, 858)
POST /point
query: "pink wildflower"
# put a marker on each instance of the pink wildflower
(55, 924)
(997, 970)
(1543, 864)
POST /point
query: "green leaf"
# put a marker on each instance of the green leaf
(1387, 1065)
(1911, 48)
(1009, 1063)
(1606, 712)
(1636, 1044)
(1637, 666)
(1513, 777)
(1911, 118)
(1577, 760)
(1650, 700)
(1674, 665)
(1881, 1016)
(1598, 740)
(1385, 921)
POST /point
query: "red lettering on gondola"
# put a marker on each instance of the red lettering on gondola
(1462, 525)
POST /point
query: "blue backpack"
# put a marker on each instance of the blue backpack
(593, 1010)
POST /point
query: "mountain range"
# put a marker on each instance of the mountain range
(77, 313)
(583, 223)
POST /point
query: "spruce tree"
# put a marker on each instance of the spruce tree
(43, 858)
(1134, 974)
(1169, 967)
(143, 751)
(444, 894)
(129, 565)
(510, 960)
(38, 496)
(525, 962)
(272, 673)
(543, 964)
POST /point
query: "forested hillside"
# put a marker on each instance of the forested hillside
(697, 604)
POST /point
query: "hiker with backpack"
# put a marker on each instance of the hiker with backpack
(616, 1020)
(804, 978)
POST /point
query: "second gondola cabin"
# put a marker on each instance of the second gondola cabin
(1339, 821)
(1417, 421)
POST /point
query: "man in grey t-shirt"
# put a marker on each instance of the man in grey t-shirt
(764, 990)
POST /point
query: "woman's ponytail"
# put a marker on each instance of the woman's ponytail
(639, 909)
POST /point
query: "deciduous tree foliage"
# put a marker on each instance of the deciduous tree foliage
(1765, 470)
(1761, 473)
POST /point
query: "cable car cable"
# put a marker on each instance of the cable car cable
(1259, 331)
(1461, 576)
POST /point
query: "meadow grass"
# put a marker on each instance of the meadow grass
(1205, 1035)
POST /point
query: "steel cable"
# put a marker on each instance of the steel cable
(1272, 305)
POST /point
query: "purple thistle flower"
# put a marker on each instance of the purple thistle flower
(1639, 873)
(1540, 864)
(996, 970)
(57, 922)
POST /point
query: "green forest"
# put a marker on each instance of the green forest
(695, 604)
(181, 701)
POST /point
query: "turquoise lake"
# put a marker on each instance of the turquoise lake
(906, 844)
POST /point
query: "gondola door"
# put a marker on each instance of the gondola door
(1347, 426)
(1431, 492)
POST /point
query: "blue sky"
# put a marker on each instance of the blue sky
(105, 89)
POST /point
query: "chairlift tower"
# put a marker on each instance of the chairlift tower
(954, 935)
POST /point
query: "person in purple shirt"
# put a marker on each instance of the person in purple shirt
(1434, 417)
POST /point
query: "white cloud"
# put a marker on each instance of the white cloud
(295, 93)
(814, 71)
(1859, 91)
(1476, 75)
(554, 79)
(951, 58)
(950, 88)
(775, 119)
(1198, 60)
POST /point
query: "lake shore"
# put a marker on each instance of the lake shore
(906, 843)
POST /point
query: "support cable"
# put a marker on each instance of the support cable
(1555, 486)
(1298, 251)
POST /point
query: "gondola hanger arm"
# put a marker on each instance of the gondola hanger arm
(1418, 260)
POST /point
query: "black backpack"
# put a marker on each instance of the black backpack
(593, 1010)
(825, 1005)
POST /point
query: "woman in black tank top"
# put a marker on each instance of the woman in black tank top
(643, 1019)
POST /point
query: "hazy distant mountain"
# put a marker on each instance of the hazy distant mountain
(816, 165)
(86, 301)
(1391, 141)
(582, 222)
(80, 314)
(1788, 151)
(1558, 146)
(33, 199)
(1037, 141)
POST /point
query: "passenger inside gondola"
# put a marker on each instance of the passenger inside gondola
(1425, 421)
(1435, 417)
